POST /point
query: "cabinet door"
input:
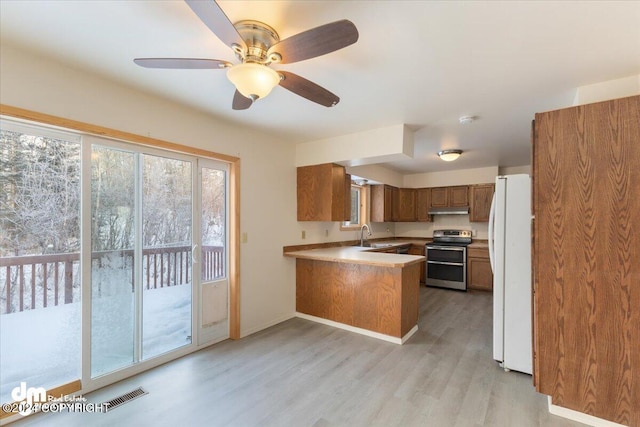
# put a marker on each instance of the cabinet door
(459, 196)
(347, 197)
(381, 203)
(407, 204)
(480, 202)
(479, 275)
(439, 197)
(321, 192)
(338, 197)
(586, 252)
(423, 201)
(395, 203)
(376, 209)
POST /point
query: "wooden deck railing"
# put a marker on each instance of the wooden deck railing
(37, 281)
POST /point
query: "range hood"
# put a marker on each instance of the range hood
(449, 211)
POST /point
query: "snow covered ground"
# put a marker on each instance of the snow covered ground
(43, 347)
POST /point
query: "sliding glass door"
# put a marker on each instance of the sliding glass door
(113, 257)
(167, 209)
(40, 291)
(113, 307)
(141, 258)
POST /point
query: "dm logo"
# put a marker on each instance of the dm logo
(28, 396)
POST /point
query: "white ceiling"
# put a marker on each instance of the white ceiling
(423, 63)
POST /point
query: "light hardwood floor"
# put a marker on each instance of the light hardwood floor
(300, 373)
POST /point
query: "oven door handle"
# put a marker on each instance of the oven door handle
(457, 264)
(447, 248)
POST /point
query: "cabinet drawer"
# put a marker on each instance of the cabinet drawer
(477, 252)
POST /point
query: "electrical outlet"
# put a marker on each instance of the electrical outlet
(326, 233)
(474, 233)
(304, 234)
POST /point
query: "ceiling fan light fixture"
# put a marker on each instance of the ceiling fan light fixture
(253, 80)
(449, 155)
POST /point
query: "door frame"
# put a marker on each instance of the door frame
(233, 219)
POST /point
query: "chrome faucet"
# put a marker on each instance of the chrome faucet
(362, 233)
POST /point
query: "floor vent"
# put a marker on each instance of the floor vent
(121, 400)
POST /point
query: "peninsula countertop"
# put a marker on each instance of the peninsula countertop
(359, 255)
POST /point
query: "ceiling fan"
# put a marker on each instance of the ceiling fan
(258, 46)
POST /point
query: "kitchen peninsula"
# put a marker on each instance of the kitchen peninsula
(357, 289)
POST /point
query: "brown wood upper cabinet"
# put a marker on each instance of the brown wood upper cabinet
(392, 204)
(382, 203)
(480, 196)
(423, 202)
(406, 205)
(449, 197)
(324, 193)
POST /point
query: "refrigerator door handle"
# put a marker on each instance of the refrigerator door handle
(491, 233)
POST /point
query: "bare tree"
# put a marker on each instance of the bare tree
(40, 208)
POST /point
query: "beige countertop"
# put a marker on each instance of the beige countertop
(360, 255)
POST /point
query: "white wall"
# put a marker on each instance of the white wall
(377, 173)
(323, 232)
(268, 177)
(360, 148)
(458, 222)
(611, 89)
(515, 170)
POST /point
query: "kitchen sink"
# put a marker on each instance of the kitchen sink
(375, 245)
(381, 245)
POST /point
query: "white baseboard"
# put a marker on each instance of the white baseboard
(360, 331)
(580, 417)
(266, 325)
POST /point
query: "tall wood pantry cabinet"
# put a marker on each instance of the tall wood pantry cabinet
(586, 258)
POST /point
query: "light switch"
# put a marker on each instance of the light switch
(244, 238)
(304, 234)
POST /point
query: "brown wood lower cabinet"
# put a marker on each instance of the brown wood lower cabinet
(479, 274)
(372, 297)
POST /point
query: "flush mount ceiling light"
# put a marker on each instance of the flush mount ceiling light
(253, 80)
(449, 155)
(465, 120)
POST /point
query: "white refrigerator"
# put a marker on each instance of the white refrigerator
(510, 254)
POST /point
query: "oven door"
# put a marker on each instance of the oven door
(446, 267)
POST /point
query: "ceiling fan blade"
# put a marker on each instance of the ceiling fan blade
(182, 63)
(307, 89)
(214, 17)
(241, 102)
(316, 41)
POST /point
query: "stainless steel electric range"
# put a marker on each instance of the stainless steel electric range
(447, 259)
